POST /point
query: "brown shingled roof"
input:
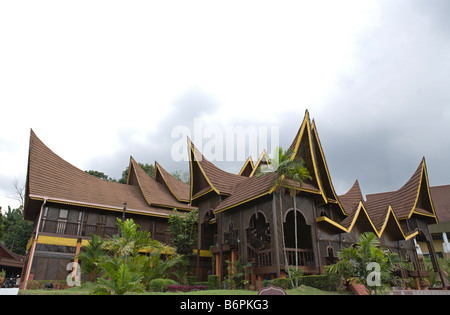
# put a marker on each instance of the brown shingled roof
(247, 190)
(441, 201)
(351, 199)
(386, 209)
(51, 177)
(178, 189)
(219, 180)
(412, 197)
(155, 193)
(247, 168)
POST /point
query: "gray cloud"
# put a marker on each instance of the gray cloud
(386, 113)
(396, 107)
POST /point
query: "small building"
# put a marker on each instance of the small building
(440, 232)
(10, 262)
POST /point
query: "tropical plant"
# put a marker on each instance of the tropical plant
(183, 231)
(286, 164)
(237, 271)
(90, 256)
(127, 268)
(367, 263)
(130, 241)
(120, 277)
(153, 266)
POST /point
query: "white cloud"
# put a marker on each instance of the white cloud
(100, 80)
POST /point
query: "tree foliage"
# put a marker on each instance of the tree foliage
(128, 261)
(14, 230)
(286, 164)
(183, 230)
(368, 263)
(181, 175)
(91, 255)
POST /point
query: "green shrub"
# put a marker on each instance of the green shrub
(160, 285)
(213, 282)
(191, 280)
(284, 283)
(322, 282)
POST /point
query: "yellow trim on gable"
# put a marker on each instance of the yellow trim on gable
(358, 211)
(263, 153)
(378, 233)
(313, 127)
(306, 124)
(201, 169)
(202, 194)
(167, 184)
(249, 160)
(413, 210)
(247, 200)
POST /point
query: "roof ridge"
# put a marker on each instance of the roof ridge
(178, 189)
(222, 182)
(154, 192)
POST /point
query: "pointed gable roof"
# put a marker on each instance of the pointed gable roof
(302, 146)
(262, 160)
(413, 197)
(205, 176)
(247, 168)
(154, 193)
(323, 171)
(351, 199)
(385, 210)
(51, 178)
(441, 201)
(178, 189)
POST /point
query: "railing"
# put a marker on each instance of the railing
(77, 229)
(70, 228)
(260, 258)
(305, 257)
(60, 227)
(232, 238)
(98, 229)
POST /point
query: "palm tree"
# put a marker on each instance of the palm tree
(120, 277)
(91, 255)
(287, 165)
(368, 263)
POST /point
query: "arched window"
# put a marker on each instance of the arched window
(304, 239)
(258, 233)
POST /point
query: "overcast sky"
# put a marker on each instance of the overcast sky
(99, 81)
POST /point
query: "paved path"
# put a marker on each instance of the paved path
(13, 291)
(420, 292)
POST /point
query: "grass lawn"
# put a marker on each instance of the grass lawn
(86, 287)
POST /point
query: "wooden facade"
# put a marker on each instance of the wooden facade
(241, 216)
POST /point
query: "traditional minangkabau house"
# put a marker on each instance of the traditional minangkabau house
(67, 205)
(240, 215)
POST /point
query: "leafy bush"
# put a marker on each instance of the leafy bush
(191, 280)
(40, 284)
(284, 283)
(185, 288)
(161, 285)
(213, 282)
(322, 282)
